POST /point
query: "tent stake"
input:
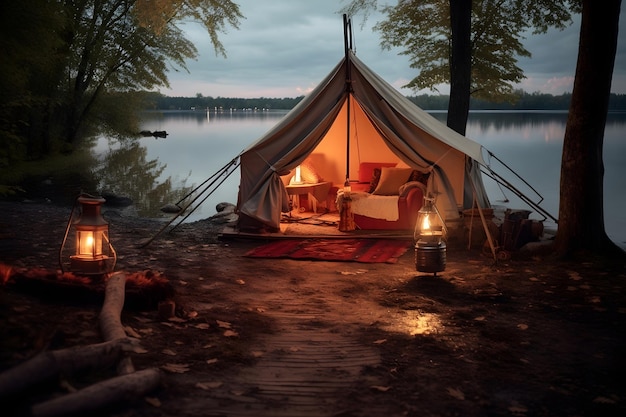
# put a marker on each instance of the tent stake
(484, 222)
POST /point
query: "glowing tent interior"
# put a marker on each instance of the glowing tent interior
(383, 126)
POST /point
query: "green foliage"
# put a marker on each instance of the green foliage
(66, 176)
(32, 55)
(117, 113)
(422, 29)
(67, 65)
(214, 15)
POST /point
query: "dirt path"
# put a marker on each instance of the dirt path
(311, 357)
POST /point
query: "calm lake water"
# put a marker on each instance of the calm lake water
(200, 143)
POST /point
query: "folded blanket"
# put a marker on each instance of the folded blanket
(375, 206)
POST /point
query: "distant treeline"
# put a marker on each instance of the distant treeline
(525, 101)
(199, 102)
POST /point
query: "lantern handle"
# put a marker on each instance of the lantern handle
(67, 231)
(112, 249)
(443, 223)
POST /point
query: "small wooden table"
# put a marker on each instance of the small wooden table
(316, 192)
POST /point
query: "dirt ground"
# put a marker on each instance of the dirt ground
(528, 336)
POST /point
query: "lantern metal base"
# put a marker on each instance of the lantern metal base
(430, 257)
(99, 266)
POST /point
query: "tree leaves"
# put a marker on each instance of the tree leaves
(71, 62)
(423, 30)
(214, 15)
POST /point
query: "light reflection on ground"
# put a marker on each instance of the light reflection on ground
(414, 323)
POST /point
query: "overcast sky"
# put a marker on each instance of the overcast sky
(285, 48)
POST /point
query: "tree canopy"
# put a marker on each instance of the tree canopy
(68, 61)
(422, 28)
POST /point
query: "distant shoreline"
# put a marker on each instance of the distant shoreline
(524, 102)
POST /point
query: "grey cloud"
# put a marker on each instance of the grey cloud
(292, 45)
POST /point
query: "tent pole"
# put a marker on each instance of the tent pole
(536, 205)
(499, 179)
(346, 43)
(348, 141)
(227, 174)
(225, 170)
(471, 226)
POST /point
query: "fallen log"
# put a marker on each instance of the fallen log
(96, 396)
(47, 365)
(128, 385)
(110, 317)
(143, 290)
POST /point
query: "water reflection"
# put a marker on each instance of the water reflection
(489, 126)
(125, 170)
(203, 117)
(158, 171)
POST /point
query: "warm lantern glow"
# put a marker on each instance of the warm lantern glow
(429, 225)
(298, 177)
(429, 236)
(93, 252)
(89, 243)
(426, 225)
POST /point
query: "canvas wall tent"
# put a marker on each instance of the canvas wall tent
(384, 126)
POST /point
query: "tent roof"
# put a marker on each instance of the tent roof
(376, 96)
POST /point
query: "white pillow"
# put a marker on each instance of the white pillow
(391, 179)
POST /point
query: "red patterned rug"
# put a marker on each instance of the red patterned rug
(346, 250)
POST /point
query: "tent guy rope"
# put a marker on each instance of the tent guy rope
(214, 181)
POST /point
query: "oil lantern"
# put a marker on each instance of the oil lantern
(87, 239)
(430, 239)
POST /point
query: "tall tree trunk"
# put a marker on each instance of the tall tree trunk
(460, 64)
(460, 87)
(581, 208)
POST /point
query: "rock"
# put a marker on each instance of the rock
(225, 208)
(171, 208)
(116, 200)
(224, 217)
